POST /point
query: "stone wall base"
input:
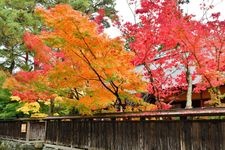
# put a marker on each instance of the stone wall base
(11, 144)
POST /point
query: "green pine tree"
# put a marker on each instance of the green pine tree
(17, 16)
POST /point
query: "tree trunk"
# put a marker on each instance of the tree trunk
(118, 104)
(51, 108)
(12, 66)
(189, 90)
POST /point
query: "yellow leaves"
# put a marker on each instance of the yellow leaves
(64, 102)
(39, 115)
(15, 98)
(150, 107)
(29, 108)
(48, 103)
(32, 108)
(128, 109)
(58, 98)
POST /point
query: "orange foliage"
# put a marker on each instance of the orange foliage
(95, 65)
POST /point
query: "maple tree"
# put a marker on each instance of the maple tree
(159, 54)
(210, 58)
(174, 49)
(86, 65)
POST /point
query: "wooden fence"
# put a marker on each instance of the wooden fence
(138, 135)
(25, 129)
(174, 130)
(12, 129)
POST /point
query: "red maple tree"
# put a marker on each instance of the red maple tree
(174, 49)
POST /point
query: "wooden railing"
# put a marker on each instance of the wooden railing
(138, 135)
(12, 129)
(202, 129)
(23, 129)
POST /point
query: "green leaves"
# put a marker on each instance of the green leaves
(82, 5)
(9, 110)
(15, 17)
(7, 107)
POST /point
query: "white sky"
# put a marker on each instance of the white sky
(192, 8)
(124, 11)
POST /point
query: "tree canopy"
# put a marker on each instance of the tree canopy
(175, 49)
(17, 16)
(70, 54)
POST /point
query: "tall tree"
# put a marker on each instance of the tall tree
(95, 67)
(155, 48)
(15, 17)
(166, 40)
(209, 56)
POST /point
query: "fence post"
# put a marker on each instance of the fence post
(57, 131)
(45, 131)
(71, 133)
(28, 131)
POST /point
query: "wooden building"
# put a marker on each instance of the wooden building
(198, 99)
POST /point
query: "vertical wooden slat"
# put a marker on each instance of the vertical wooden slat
(75, 133)
(222, 125)
(57, 130)
(112, 140)
(71, 133)
(89, 133)
(28, 131)
(46, 133)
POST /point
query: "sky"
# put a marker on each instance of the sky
(192, 8)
